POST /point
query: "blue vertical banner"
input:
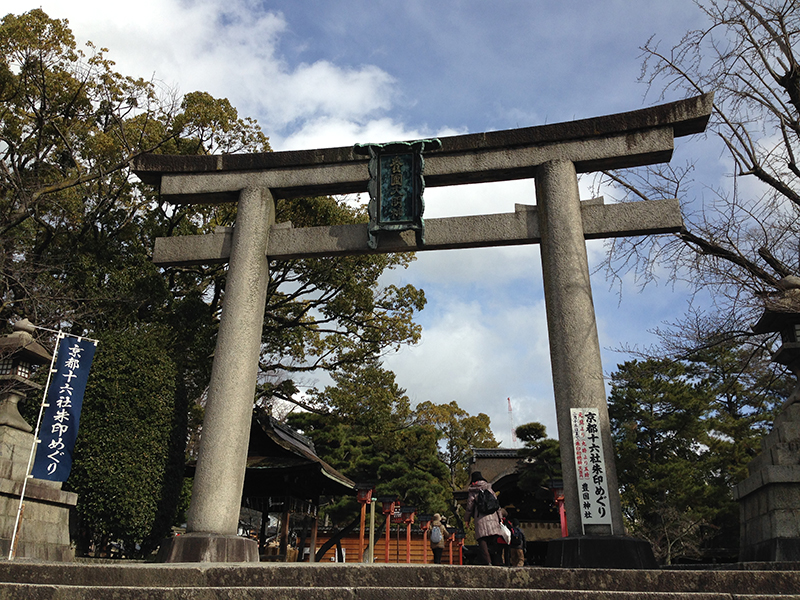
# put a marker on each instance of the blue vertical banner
(59, 426)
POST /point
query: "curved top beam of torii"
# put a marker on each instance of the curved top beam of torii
(617, 141)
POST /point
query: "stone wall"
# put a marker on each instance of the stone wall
(44, 526)
(769, 499)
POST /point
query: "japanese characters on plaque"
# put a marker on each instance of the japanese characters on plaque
(59, 426)
(397, 189)
(396, 186)
(590, 466)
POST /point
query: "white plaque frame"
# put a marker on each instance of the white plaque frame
(590, 468)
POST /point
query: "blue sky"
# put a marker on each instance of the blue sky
(333, 73)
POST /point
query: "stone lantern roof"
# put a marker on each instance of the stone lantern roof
(782, 315)
(18, 353)
(779, 312)
(22, 345)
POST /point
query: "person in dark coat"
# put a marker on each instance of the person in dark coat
(487, 527)
(518, 545)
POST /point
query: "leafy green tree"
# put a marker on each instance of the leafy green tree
(540, 455)
(366, 431)
(413, 472)
(76, 236)
(367, 397)
(458, 432)
(330, 313)
(684, 432)
(747, 388)
(69, 126)
(656, 412)
(128, 488)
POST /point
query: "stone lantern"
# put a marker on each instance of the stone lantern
(769, 499)
(43, 533)
(20, 354)
(787, 323)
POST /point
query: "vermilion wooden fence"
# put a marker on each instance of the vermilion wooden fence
(397, 549)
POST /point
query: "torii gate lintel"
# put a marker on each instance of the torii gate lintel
(521, 227)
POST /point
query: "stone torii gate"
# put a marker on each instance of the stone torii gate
(552, 155)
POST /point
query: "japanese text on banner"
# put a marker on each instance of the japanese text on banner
(59, 427)
(590, 467)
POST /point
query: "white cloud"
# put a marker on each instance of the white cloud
(487, 268)
(331, 132)
(228, 49)
(478, 199)
(478, 352)
(324, 88)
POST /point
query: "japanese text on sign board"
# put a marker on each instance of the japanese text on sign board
(59, 427)
(590, 466)
(397, 188)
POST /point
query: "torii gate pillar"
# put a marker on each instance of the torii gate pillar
(574, 345)
(213, 519)
(577, 372)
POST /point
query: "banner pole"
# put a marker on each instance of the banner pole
(13, 549)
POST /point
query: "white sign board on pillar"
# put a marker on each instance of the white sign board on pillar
(590, 467)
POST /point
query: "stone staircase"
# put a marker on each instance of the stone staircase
(136, 581)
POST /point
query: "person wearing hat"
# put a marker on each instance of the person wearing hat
(487, 526)
(438, 547)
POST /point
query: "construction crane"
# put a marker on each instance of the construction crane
(511, 424)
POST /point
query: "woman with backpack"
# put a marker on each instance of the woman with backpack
(438, 536)
(482, 505)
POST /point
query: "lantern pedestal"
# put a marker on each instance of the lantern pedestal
(768, 498)
(44, 527)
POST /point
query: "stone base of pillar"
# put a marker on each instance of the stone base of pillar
(44, 527)
(769, 499)
(601, 552)
(208, 547)
(773, 550)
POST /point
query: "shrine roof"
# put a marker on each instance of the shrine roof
(283, 460)
(286, 448)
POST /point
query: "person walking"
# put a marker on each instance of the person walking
(503, 545)
(438, 536)
(484, 507)
(518, 545)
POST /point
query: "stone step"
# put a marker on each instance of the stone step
(13, 591)
(122, 581)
